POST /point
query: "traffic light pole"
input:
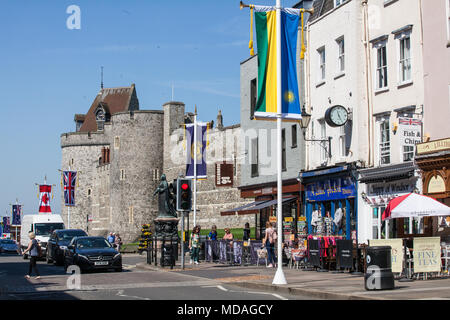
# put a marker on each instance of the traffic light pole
(182, 240)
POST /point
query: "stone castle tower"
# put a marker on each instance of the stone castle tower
(118, 153)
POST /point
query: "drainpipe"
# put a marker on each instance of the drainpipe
(308, 88)
(368, 84)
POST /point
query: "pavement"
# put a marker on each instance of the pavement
(317, 285)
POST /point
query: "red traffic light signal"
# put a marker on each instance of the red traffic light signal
(184, 186)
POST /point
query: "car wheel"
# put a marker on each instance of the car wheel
(59, 262)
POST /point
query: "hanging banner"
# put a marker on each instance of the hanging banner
(16, 214)
(6, 225)
(265, 25)
(202, 129)
(427, 254)
(397, 251)
(69, 183)
(44, 198)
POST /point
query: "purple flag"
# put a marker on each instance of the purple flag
(202, 129)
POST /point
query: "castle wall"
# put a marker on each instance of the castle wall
(224, 145)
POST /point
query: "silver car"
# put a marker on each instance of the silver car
(7, 245)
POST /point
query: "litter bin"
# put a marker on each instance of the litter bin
(201, 254)
(379, 274)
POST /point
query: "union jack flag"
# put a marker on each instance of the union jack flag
(69, 180)
(410, 121)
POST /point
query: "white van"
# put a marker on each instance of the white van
(42, 225)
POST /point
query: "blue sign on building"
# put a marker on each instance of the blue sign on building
(331, 189)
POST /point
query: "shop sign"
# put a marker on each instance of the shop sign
(344, 250)
(410, 131)
(396, 251)
(436, 185)
(272, 219)
(224, 175)
(386, 189)
(302, 226)
(427, 254)
(331, 189)
(433, 146)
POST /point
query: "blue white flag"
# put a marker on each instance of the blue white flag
(202, 129)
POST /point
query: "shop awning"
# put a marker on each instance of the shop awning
(271, 203)
(388, 173)
(238, 210)
(254, 207)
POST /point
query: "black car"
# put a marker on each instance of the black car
(92, 253)
(58, 242)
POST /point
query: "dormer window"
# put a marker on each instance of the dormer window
(101, 116)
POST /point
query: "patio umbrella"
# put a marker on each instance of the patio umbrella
(414, 205)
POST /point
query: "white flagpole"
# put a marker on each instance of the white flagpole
(195, 166)
(279, 275)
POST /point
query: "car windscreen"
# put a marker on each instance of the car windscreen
(68, 235)
(46, 229)
(96, 243)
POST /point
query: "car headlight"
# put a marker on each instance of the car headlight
(117, 256)
(63, 247)
(84, 257)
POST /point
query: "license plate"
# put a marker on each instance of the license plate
(101, 263)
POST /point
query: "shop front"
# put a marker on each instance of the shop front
(331, 202)
(264, 208)
(433, 160)
(380, 185)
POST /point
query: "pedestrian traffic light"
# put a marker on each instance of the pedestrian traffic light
(184, 195)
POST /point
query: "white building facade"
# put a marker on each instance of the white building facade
(366, 56)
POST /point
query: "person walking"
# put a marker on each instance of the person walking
(269, 242)
(34, 250)
(117, 242)
(194, 244)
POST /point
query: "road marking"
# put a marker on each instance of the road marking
(249, 292)
(222, 288)
(268, 293)
(120, 294)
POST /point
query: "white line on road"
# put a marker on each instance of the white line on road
(249, 292)
(120, 294)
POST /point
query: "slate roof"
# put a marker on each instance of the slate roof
(113, 100)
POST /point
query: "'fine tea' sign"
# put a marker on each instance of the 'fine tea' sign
(427, 254)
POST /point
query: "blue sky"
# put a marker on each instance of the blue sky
(48, 73)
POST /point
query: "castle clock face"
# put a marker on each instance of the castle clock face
(336, 116)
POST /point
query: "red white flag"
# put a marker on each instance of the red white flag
(44, 199)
